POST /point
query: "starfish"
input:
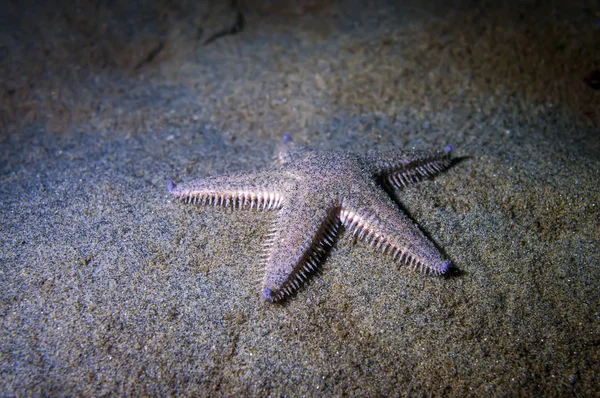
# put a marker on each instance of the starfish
(317, 192)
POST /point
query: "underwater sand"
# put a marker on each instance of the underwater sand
(109, 288)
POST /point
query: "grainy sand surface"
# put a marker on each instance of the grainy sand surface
(107, 287)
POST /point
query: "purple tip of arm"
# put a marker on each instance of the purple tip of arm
(170, 186)
(445, 266)
(268, 295)
(287, 138)
(448, 148)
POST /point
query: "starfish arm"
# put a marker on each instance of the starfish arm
(400, 168)
(392, 232)
(301, 237)
(243, 190)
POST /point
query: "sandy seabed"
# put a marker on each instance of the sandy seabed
(109, 288)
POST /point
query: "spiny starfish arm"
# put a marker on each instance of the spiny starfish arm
(301, 237)
(235, 191)
(395, 234)
(400, 168)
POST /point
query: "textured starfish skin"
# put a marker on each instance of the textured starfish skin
(314, 193)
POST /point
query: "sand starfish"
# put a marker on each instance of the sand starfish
(316, 192)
